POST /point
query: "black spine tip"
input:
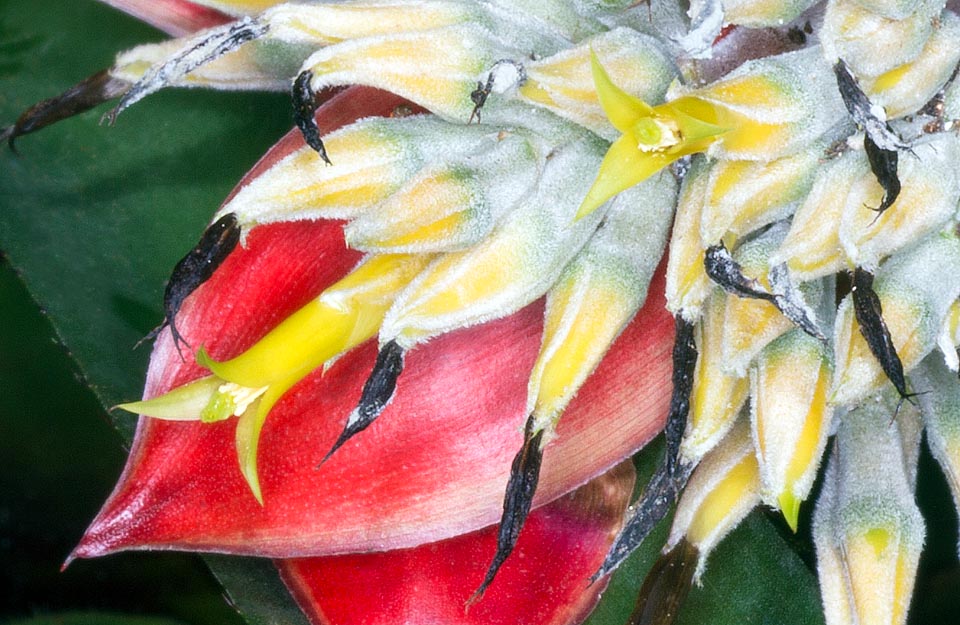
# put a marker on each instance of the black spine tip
(217, 242)
(304, 107)
(883, 164)
(869, 314)
(728, 274)
(671, 476)
(377, 393)
(83, 96)
(521, 487)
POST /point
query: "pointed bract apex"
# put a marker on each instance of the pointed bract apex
(660, 494)
(83, 96)
(215, 43)
(863, 112)
(883, 164)
(524, 475)
(218, 240)
(304, 107)
(376, 394)
(867, 308)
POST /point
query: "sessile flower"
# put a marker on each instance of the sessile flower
(465, 284)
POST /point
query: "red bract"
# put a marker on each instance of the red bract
(545, 582)
(175, 17)
(431, 468)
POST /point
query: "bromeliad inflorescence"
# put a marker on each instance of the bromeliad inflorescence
(562, 148)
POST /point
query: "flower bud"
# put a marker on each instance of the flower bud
(811, 248)
(940, 408)
(451, 205)
(563, 83)
(928, 199)
(437, 69)
(687, 281)
(914, 305)
(770, 107)
(791, 419)
(749, 324)
(761, 13)
(372, 159)
(907, 88)
(325, 24)
(264, 64)
(723, 489)
(871, 43)
(717, 397)
(509, 269)
(597, 295)
(867, 529)
(743, 196)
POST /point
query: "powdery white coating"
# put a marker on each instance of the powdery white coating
(812, 246)
(940, 408)
(706, 22)
(563, 83)
(437, 69)
(330, 23)
(750, 324)
(259, 65)
(928, 200)
(923, 77)
(687, 282)
(716, 397)
(378, 156)
(891, 9)
(177, 59)
(871, 44)
(743, 196)
(759, 13)
(736, 447)
(512, 267)
(784, 381)
(797, 97)
(570, 20)
(477, 190)
(602, 289)
(915, 302)
(867, 489)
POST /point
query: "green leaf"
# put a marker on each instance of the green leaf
(92, 618)
(755, 551)
(93, 218)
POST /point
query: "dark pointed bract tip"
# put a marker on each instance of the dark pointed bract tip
(671, 476)
(684, 365)
(728, 274)
(869, 315)
(377, 393)
(83, 96)
(521, 487)
(217, 242)
(883, 164)
(304, 107)
(666, 586)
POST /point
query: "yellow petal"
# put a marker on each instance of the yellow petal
(621, 108)
(622, 167)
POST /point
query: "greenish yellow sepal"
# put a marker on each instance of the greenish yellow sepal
(184, 403)
(653, 137)
(723, 489)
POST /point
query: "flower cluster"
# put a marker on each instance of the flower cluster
(566, 224)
